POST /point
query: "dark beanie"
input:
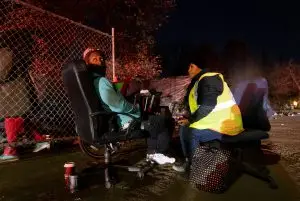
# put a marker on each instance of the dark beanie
(198, 58)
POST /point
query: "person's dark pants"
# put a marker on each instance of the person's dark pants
(190, 138)
(160, 129)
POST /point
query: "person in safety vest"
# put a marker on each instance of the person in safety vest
(213, 110)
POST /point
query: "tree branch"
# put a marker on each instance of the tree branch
(293, 76)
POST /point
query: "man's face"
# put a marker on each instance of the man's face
(95, 59)
(193, 70)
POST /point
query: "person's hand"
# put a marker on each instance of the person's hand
(183, 122)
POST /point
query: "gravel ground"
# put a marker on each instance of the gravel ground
(285, 140)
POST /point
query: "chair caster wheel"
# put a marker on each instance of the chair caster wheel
(272, 184)
(140, 175)
(108, 185)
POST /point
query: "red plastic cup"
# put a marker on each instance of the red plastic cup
(69, 170)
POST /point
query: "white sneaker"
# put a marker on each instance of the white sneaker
(41, 145)
(161, 159)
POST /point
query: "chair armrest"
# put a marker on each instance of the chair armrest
(112, 113)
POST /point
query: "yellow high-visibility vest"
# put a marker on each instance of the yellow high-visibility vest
(225, 118)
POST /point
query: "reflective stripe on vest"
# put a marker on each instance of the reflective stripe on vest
(224, 105)
(225, 117)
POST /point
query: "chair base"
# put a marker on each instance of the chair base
(249, 158)
(140, 171)
(261, 173)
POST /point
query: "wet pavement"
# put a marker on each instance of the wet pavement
(42, 178)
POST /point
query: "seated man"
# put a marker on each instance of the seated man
(113, 100)
(213, 111)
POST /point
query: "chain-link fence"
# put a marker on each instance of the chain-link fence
(35, 44)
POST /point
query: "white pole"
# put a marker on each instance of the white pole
(113, 53)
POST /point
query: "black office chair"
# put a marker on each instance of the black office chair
(94, 125)
(247, 153)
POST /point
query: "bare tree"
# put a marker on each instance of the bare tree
(284, 82)
(294, 74)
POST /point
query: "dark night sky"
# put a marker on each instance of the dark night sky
(272, 26)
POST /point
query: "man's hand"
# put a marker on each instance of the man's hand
(183, 122)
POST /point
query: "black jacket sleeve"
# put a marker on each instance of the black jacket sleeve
(209, 88)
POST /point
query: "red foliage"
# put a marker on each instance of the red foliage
(135, 21)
